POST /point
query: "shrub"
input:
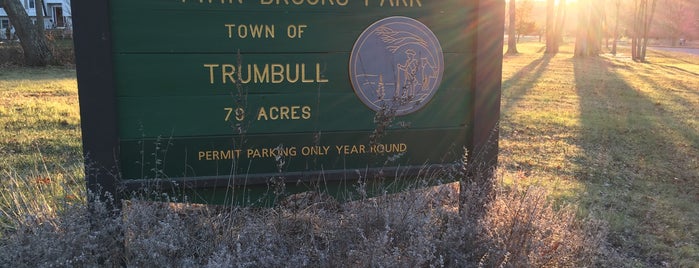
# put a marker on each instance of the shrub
(11, 53)
(422, 227)
(522, 229)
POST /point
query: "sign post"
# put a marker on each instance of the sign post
(218, 99)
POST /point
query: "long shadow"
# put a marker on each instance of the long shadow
(638, 162)
(683, 78)
(677, 70)
(36, 74)
(676, 100)
(523, 80)
(665, 54)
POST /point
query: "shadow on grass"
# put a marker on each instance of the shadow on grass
(522, 81)
(683, 77)
(15, 73)
(669, 55)
(677, 124)
(678, 71)
(638, 164)
(44, 156)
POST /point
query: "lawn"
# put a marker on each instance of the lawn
(41, 121)
(616, 139)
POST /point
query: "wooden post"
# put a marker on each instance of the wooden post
(96, 90)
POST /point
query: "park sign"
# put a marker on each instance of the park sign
(219, 99)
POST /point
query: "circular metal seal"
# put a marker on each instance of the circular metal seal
(396, 64)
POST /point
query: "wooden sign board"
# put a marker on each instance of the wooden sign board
(217, 98)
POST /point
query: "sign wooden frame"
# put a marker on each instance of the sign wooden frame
(100, 117)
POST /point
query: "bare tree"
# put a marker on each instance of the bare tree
(550, 25)
(560, 24)
(40, 24)
(642, 21)
(554, 25)
(589, 36)
(512, 30)
(673, 18)
(37, 51)
(524, 23)
(617, 4)
(646, 28)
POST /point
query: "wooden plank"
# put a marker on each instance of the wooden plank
(274, 153)
(211, 74)
(294, 5)
(217, 74)
(182, 30)
(275, 113)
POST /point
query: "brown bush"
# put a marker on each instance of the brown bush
(11, 53)
(420, 228)
(63, 56)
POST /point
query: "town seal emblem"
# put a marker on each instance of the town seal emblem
(396, 65)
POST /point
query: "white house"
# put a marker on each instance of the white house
(57, 15)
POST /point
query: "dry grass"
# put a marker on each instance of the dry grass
(422, 227)
(598, 168)
(40, 120)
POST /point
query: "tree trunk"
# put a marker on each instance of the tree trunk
(643, 5)
(634, 29)
(616, 27)
(511, 31)
(642, 21)
(581, 38)
(595, 32)
(589, 37)
(550, 28)
(646, 28)
(36, 49)
(561, 17)
(40, 24)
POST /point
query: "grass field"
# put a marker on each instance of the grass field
(41, 121)
(616, 139)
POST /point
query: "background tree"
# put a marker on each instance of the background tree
(40, 23)
(589, 32)
(554, 25)
(550, 25)
(607, 29)
(617, 5)
(560, 24)
(511, 30)
(524, 24)
(37, 51)
(674, 18)
(642, 21)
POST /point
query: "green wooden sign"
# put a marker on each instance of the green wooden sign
(209, 96)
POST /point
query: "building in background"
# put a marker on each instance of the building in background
(57, 16)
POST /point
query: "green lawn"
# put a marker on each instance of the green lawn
(40, 117)
(619, 138)
(40, 140)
